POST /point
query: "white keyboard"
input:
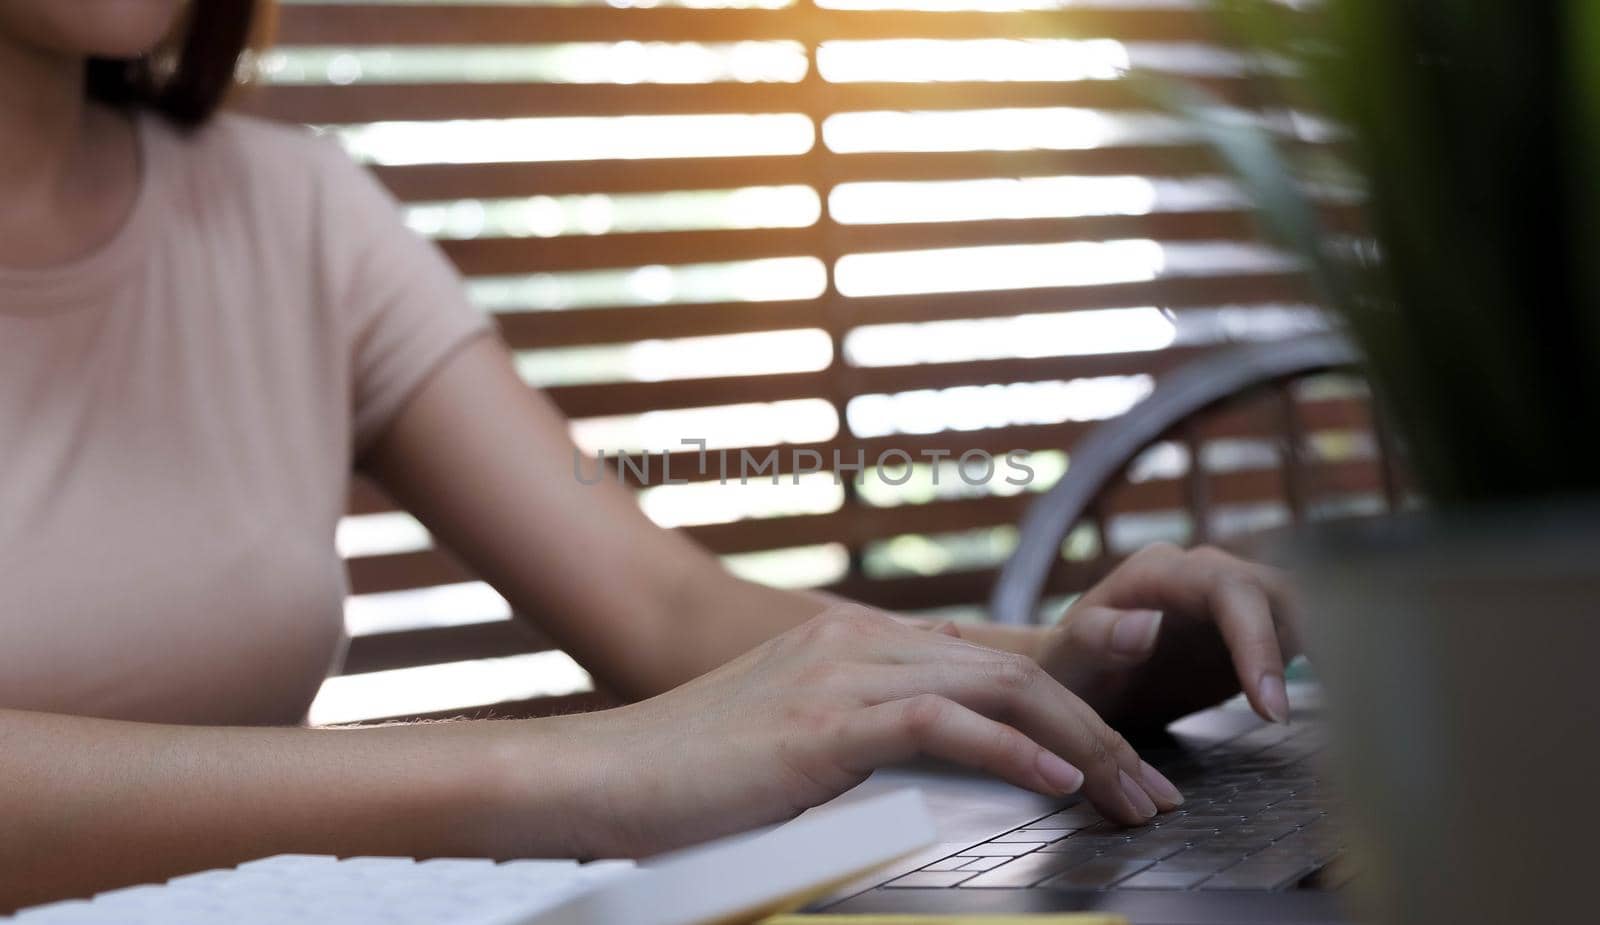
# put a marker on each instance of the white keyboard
(307, 888)
(733, 879)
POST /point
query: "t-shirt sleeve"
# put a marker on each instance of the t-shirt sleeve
(400, 306)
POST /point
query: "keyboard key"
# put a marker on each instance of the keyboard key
(1003, 849)
(1145, 849)
(1254, 874)
(1029, 836)
(1275, 816)
(1025, 871)
(1133, 852)
(1073, 817)
(1088, 842)
(1262, 832)
(1208, 821)
(981, 864)
(1044, 835)
(955, 863)
(930, 879)
(1097, 874)
(1162, 880)
(1111, 828)
(1200, 861)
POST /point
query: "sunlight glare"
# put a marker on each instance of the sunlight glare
(481, 141)
(1080, 333)
(931, 411)
(1022, 266)
(918, 60)
(715, 503)
(1054, 129)
(420, 608)
(453, 686)
(804, 420)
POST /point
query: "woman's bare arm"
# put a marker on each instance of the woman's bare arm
(487, 464)
(90, 804)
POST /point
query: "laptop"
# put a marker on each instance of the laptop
(1257, 840)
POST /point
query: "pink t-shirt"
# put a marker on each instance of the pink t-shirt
(179, 415)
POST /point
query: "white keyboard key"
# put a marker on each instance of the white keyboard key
(295, 889)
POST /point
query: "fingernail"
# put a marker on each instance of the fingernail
(1062, 777)
(1274, 697)
(1135, 632)
(1137, 796)
(1159, 787)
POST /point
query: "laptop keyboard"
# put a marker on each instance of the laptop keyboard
(1255, 817)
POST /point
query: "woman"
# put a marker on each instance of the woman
(205, 321)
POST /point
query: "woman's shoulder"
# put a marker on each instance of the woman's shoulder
(241, 149)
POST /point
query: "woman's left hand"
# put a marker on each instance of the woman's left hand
(1172, 631)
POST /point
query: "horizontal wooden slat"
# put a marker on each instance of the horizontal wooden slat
(426, 182)
(493, 256)
(1150, 159)
(578, 401)
(571, 327)
(408, 649)
(890, 379)
(425, 102)
(400, 571)
(1192, 225)
(468, 24)
(1167, 292)
(418, 182)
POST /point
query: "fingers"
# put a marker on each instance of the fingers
(888, 733)
(1252, 606)
(1015, 689)
(1244, 617)
(895, 664)
(1101, 638)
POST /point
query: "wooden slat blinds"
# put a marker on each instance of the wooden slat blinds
(1167, 244)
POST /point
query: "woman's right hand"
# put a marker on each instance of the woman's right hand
(808, 715)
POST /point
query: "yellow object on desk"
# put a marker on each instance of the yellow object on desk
(1052, 919)
(1072, 918)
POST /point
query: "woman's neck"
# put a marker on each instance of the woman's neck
(69, 170)
(42, 109)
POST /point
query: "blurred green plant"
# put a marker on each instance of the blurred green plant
(1473, 127)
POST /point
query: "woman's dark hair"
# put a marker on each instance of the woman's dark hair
(189, 76)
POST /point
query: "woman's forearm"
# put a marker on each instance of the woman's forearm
(643, 609)
(92, 804)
